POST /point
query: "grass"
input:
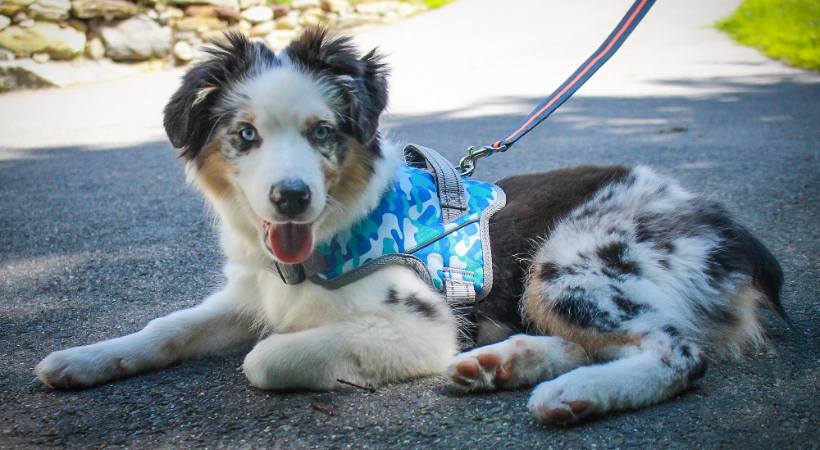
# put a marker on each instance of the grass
(788, 30)
(433, 4)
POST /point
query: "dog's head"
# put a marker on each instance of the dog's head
(282, 144)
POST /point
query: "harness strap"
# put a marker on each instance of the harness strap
(448, 179)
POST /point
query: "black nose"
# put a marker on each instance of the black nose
(290, 197)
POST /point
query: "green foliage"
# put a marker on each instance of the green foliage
(430, 3)
(788, 30)
(436, 3)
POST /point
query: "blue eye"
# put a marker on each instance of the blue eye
(321, 133)
(248, 134)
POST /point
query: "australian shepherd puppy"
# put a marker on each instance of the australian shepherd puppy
(612, 287)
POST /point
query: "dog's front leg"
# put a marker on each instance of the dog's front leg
(213, 325)
(366, 351)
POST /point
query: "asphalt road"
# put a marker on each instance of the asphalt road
(99, 233)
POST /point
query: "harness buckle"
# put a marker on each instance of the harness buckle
(468, 163)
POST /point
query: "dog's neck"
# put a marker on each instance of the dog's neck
(240, 237)
(384, 172)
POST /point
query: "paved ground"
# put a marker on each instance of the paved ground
(99, 234)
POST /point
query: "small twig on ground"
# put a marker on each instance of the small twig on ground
(322, 408)
(370, 389)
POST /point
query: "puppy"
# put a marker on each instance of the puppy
(612, 286)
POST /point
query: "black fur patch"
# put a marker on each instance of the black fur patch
(613, 256)
(629, 309)
(392, 297)
(549, 272)
(414, 303)
(575, 307)
(671, 331)
(420, 306)
(362, 80)
(189, 115)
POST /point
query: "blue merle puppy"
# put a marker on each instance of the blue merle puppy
(612, 287)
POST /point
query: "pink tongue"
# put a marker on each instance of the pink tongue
(291, 243)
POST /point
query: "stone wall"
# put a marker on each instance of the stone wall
(171, 30)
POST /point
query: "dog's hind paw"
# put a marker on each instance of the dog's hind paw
(519, 361)
(562, 402)
(480, 371)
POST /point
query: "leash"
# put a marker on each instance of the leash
(543, 110)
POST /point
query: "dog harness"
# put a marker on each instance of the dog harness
(430, 219)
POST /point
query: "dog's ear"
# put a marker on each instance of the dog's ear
(361, 80)
(190, 115)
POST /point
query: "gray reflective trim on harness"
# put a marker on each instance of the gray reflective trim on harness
(448, 179)
(371, 266)
(486, 248)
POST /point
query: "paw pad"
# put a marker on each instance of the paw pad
(482, 371)
(563, 415)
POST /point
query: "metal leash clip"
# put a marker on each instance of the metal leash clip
(468, 163)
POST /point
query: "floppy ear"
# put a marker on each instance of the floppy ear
(361, 81)
(374, 85)
(190, 115)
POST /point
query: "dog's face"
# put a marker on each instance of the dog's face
(288, 141)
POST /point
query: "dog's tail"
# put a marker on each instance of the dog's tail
(767, 275)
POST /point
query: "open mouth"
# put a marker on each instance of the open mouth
(290, 243)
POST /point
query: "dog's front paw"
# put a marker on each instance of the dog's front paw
(79, 367)
(257, 370)
(268, 367)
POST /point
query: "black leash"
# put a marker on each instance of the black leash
(608, 48)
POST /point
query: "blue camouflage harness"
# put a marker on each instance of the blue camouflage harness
(430, 219)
